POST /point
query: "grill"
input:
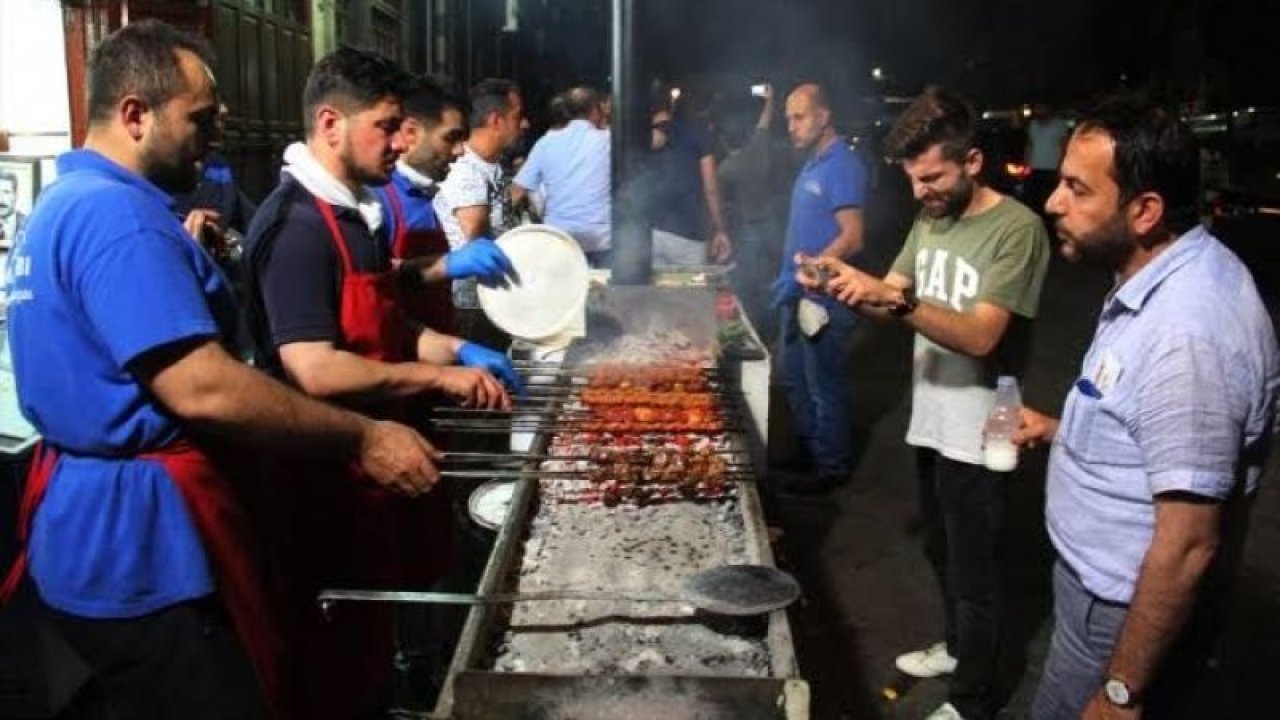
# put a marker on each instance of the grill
(640, 476)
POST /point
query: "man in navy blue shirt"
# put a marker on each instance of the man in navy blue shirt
(327, 315)
(118, 322)
(826, 220)
(686, 191)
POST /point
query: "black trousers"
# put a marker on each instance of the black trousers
(184, 661)
(962, 506)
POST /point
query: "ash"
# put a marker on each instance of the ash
(645, 551)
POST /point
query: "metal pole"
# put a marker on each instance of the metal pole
(632, 238)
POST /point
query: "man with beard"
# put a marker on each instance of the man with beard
(134, 536)
(433, 135)
(825, 220)
(968, 282)
(10, 219)
(1163, 437)
(474, 203)
(326, 315)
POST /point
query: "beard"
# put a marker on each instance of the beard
(951, 203)
(169, 163)
(365, 175)
(1107, 246)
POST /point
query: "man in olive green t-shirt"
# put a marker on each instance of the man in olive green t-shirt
(968, 281)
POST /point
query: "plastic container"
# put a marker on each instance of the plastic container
(998, 451)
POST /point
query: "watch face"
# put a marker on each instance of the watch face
(1117, 692)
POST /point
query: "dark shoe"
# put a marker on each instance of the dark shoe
(799, 463)
(809, 485)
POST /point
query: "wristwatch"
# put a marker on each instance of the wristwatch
(907, 305)
(1119, 694)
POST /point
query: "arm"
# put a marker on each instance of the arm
(474, 221)
(207, 388)
(1184, 544)
(849, 241)
(321, 370)
(975, 333)
(720, 247)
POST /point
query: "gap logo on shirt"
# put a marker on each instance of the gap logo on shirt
(947, 278)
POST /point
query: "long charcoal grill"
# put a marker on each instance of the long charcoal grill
(575, 659)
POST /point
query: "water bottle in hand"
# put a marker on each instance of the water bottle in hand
(998, 451)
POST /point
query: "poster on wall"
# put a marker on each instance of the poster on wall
(19, 184)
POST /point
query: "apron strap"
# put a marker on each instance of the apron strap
(335, 235)
(42, 462)
(401, 232)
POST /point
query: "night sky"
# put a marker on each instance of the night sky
(1002, 53)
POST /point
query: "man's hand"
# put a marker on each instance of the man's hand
(480, 258)
(492, 361)
(1036, 429)
(473, 387)
(721, 248)
(398, 458)
(198, 220)
(1100, 708)
(844, 282)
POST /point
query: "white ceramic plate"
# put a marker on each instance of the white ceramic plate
(552, 283)
(489, 503)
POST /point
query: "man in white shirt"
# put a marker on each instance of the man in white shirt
(473, 201)
(570, 169)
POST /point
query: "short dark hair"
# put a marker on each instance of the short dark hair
(492, 95)
(937, 116)
(580, 102)
(558, 111)
(426, 100)
(140, 59)
(352, 80)
(1154, 152)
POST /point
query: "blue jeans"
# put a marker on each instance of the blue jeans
(1085, 631)
(818, 381)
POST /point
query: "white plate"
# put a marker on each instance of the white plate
(552, 283)
(489, 503)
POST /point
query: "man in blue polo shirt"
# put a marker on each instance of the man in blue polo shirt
(825, 221)
(433, 134)
(570, 168)
(118, 321)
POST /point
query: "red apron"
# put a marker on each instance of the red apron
(334, 527)
(431, 305)
(220, 520)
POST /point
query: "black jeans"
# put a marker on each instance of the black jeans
(962, 506)
(183, 661)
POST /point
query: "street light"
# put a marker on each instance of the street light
(877, 73)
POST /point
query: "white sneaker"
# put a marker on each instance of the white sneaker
(946, 712)
(930, 662)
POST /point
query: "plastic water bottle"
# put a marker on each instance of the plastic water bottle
(998, 451)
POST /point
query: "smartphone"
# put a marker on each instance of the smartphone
(759, 90)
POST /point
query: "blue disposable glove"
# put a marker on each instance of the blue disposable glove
(481, 258)
(492, 361)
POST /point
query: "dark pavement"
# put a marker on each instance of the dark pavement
(870, 594)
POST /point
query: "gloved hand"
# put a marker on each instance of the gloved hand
(481, 258)
(492, 361)
(785, 290)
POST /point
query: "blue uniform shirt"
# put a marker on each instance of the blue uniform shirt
(833, 180)
(1177, 395)
(415, 201)
(105, 274)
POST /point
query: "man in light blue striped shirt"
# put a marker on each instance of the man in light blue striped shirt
(570, 169)
(1163, 436)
